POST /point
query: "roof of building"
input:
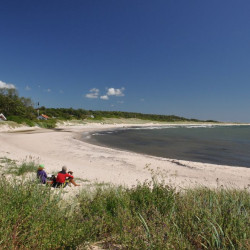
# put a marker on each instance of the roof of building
(45, 116)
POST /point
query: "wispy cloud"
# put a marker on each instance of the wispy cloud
(104, 97)
(27, 88)
(142, 100)
(4, 85)
(61, 91)
(93, 93)
(115, 92)
(121, 102)
(47, 90)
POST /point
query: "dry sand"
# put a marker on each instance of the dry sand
(55, 148)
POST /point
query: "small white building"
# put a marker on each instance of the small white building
(2, 117)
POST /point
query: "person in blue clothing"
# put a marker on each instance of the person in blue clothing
(41, 174)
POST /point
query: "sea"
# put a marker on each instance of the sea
(223, 145)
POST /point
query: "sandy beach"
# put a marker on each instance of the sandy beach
(62, 146)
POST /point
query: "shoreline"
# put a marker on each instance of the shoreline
(94, 163)
(95, 141)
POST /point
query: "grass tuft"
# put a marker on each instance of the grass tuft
(25, 167)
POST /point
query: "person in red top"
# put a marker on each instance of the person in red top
(63, 178)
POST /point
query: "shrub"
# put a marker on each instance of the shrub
(21, 120)
(47, 123)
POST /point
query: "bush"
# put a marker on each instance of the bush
(47, 123)
(21, 120)
(51, 123)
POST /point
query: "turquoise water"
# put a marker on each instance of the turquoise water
(224, 145)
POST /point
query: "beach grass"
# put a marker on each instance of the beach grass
(150, 215)
(23, 168)
(7, 161)
(31, 218)
(156, 216)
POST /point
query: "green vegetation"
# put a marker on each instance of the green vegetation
(11, 167)
(31, 218)
(24, 168)
(7, 161)
(67, 114)
(13, 105)
(151, 215)
(155, 216)
(21, 110)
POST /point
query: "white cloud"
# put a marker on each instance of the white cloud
(47, 90)
(115, 92)
(121, 102)
(94, 93)
(27, 88)
(104, 97)
(4, 85)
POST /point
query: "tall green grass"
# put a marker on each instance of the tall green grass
(25, 167)
(13, 168)
(159, 217)
(151, 215)
(32, 218)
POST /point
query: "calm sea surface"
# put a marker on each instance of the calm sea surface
(224, 145)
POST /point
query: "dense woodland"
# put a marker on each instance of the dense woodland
(21, 110)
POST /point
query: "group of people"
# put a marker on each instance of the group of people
(62, 179)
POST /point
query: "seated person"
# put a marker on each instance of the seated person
(51, 179)
(41, 174)
(71, 180)
(63, 178)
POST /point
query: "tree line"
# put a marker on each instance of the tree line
(13, 105)
(21, 109)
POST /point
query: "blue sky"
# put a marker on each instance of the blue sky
(184, 57)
